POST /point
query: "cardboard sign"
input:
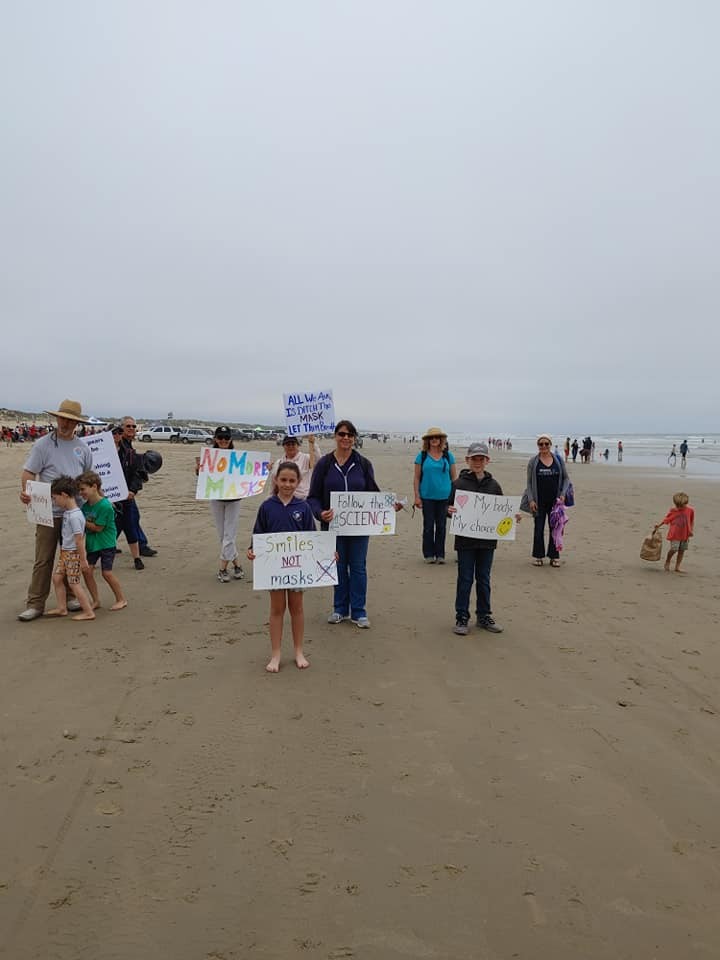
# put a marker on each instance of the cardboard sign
(484, 516)
(363, 514)
(231, 474)
(312, 411)
(106, 464)
(294, 561)
(39, 510)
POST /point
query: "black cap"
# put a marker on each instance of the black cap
(117, 430)
(223, 433)
(287, 439)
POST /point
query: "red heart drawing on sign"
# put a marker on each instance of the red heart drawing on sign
(462, 499)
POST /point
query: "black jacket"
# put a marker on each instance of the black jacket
(468, 481)
(133, 466)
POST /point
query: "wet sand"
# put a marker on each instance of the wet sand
(552, 792)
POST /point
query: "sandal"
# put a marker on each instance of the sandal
(537, 563)
(554, 563)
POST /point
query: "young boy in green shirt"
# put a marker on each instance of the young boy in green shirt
(100, 537)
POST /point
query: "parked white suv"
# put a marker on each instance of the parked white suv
(193, 435)
(158, 432)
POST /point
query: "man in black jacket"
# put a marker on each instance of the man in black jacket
(475, 556)
(127, 515)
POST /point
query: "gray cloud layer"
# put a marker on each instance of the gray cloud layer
(494, 216)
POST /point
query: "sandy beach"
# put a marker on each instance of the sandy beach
(548, 794)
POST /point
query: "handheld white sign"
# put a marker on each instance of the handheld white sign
(309, 411)
(39, 510)
(231, 474)
(106, 464)
(365, 514)
(484, 516)
(294, 561)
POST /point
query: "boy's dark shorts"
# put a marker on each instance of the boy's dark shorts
(106, 557)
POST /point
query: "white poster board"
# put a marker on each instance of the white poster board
(231, 474)
(106, 464)
(485, 516)
(365, 514)
(309, 411)
(39, 510)
(294, 561)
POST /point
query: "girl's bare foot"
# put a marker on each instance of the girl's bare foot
(119, 605)
(57, 612)
(84, 616)
(300, 662)
(96, 605)
(273, 664)
(667, 568)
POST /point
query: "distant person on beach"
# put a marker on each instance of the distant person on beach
(305, 462)
(433, 477)
(73, 560)
(100, 538)
(620, 451)
(683, 453)
(226, 514)
(54, 455)
(566, 449)
(128, 438)
(575, 447)
(672, 456)
(283, 512)
(474, 556)
(547, 482)
(680, 521)
(587, 445)
(606, 454)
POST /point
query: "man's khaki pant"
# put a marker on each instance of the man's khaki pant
(46, 542)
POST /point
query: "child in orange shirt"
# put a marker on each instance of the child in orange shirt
(680, 521)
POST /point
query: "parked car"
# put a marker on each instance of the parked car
(193, 435)
(158, 432)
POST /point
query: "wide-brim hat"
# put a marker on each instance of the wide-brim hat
(434, 432)
(70, 410)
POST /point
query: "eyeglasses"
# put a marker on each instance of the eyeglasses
(131, 426)
(543, 443)
(341, 433)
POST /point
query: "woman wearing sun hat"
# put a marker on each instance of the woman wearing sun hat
(435, 472)
(57, 454)
(547, 481)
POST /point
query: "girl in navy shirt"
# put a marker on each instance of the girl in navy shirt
(281, 513)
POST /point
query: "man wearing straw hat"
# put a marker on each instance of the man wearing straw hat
(57, 454)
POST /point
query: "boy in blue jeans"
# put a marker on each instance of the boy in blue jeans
(474, 556)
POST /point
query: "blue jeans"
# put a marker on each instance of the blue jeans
(543, 514)
(473, 565)
(127, 520)
(434, 524)
(350, 594)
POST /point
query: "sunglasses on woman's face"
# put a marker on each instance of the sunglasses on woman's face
(341, 433)
(543, 444)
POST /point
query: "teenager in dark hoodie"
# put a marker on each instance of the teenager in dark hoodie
(474, 556)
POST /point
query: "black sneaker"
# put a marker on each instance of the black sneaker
(139, 565)
(487, 623)
(147, 552)
(461, 627)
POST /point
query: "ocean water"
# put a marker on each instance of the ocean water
(639, 450)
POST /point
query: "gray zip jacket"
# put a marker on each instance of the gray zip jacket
(531, 491)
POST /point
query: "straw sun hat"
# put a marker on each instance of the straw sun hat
(434, 432)
(71, 410)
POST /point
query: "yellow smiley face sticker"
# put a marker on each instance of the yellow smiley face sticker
(504, 527)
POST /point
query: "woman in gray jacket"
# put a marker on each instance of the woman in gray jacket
(547, 481)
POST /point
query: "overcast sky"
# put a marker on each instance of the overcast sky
(491, 216)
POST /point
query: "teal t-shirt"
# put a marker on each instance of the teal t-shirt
(103, 514)
(435, 482)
